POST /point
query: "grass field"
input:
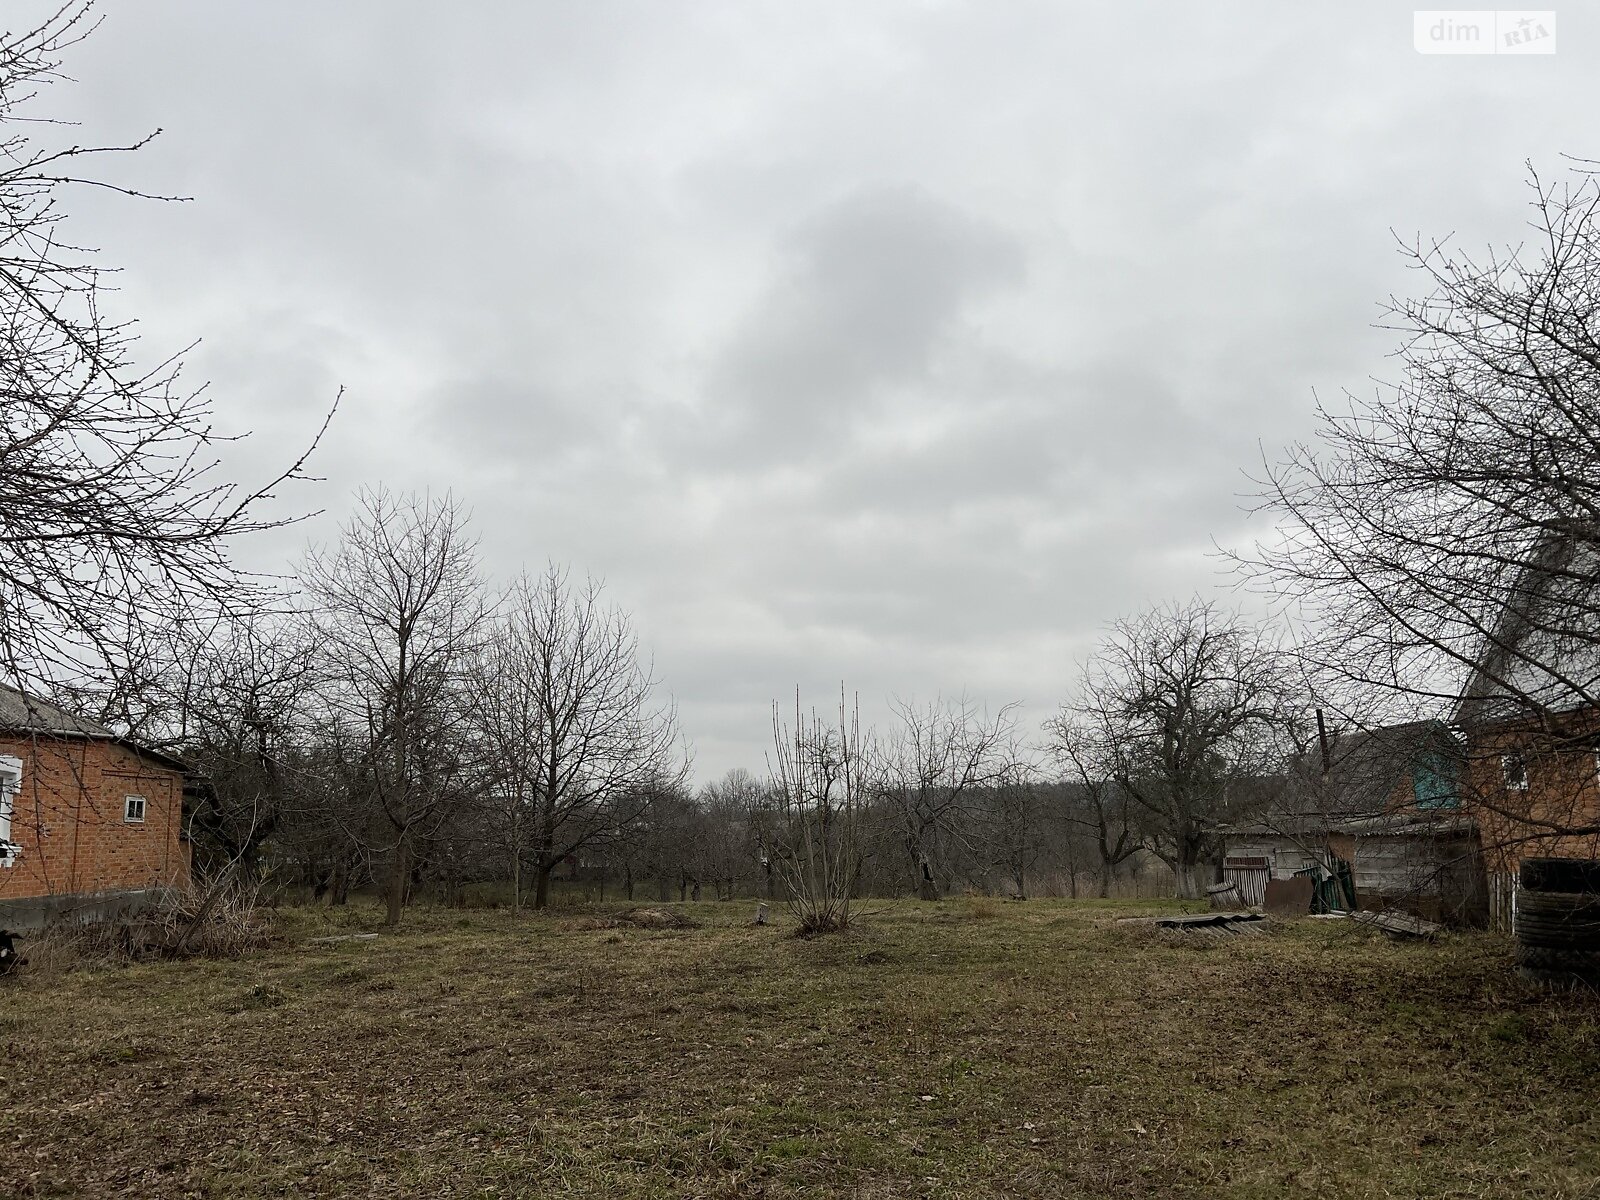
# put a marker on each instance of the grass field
(959, 1049)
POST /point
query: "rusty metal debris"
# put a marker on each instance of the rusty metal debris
(1398, 924)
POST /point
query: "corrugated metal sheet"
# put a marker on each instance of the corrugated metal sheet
(29, 714)
(1283, 855)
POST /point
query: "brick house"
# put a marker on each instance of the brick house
(89, 821)
(1532, 721)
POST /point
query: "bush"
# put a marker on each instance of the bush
(816, 924)
(220, 921)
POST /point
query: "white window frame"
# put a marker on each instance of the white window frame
(10, 786)
(127, 809)
(1514, 772)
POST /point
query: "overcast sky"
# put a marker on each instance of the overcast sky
(905, 344)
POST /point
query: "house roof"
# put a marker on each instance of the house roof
(1364, 765)
(1433, 823)
(29, 714)
(1543, 653)
(21, 713)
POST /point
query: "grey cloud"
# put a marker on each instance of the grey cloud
(900, 343)
(510, 420)
(870, 287)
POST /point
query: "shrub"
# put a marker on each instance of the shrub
(219, 921)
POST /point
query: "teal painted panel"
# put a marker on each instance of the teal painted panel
(1433, 783)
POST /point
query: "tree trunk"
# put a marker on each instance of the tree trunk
(339, 890)
(1106, 868)
(927, 888)
(1190, 877)
(399, 878)
(320, 879)
(541, 893)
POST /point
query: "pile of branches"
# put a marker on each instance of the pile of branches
(227, 921)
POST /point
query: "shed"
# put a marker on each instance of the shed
(1385, 802)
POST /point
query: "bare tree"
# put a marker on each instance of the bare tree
(326, 830)
(654, 839)
(236, 720)
(937, 760)
(399, 612)
(1440, 542)
(509, 724)
(1084, 744)
(821, 775)
(734, 849)
(1193, 708)
(1017, 816)
(582, 732)
(114, 520)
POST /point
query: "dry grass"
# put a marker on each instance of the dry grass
(660, 917)
(191, 923)
(983, 908)
(1043, 1051)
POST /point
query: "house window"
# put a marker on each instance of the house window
(133, 809)
(10, 785)
(1514, 770)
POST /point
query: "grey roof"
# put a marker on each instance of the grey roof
(28, 714)
(1367, 764)
(1543, 655)
(1404, 823)
(21, 713)
(1364, 767)
(1433, 823)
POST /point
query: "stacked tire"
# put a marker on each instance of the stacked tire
(1557, 921)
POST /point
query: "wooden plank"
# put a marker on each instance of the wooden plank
(1398, 924)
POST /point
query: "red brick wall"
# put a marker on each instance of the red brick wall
(1563, 792)
(68, 820)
